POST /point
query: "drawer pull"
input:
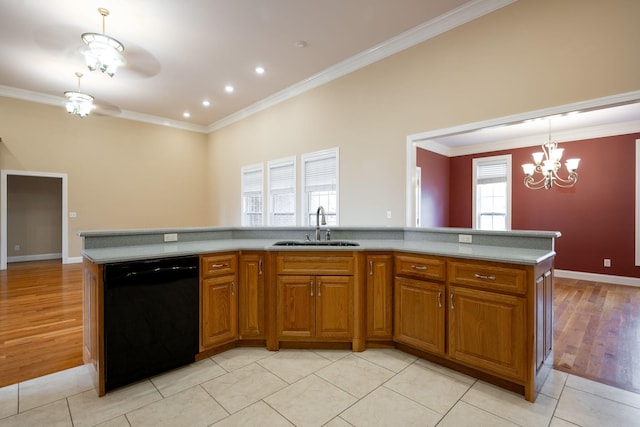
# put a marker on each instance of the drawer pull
(484, 276)
(370, 267)
(260, 266)
(311, 286)
(219, 265)
(451, 298)
(319, 285)
(419, 267)
(439, 299)
(233, 288)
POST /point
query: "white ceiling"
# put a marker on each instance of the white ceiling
(180, 53)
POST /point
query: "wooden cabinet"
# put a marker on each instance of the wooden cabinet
(419, 312)
(93, 323)
(218, 300)
(315, 307)
(487, 331)
(379, 295)
(487, 317)
(251, 318)
(315, 297)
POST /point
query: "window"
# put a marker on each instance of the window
(252, 195)
(320, 186)
(492, 193)
(282, 192)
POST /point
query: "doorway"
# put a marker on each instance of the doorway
(8, 176)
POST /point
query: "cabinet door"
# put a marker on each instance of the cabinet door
(334, 306)
(219, 310)
(296, 308)
(419, 314)
(379, 297)
(487, 330)
(251, 297)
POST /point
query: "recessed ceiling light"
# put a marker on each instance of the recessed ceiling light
(300, 44)
(206, 103)
(260, 70)
(228, 88)
(186, 114)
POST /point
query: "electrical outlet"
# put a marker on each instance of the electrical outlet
(465, 238)
(73, 214)
(388, 214)
(171, 237)
(16, 248)
(607, 262)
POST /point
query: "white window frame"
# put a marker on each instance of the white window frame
(485, 160)
(310, 157)
(271, 165)
(244, 171)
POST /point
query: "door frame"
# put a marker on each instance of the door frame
(3, 211)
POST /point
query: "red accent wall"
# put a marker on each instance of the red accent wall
(596, 217)
(434, 189)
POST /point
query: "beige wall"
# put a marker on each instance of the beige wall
(531, 55)
(34, 220)
(121, 174)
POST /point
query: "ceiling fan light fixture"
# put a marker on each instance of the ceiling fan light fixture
(102, 52)
(78, 103)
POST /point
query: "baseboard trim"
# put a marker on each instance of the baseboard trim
(73, 260)
(594, 277)
(37, 257)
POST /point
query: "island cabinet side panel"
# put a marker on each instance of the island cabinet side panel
(541, 302)
(93, 323)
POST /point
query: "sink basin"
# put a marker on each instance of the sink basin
(316, 243)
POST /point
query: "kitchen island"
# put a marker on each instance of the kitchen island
(476, 301)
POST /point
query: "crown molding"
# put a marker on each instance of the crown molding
(58, 101)
(425, 139)
(425, 31)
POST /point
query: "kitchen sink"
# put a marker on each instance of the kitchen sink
(316, 243)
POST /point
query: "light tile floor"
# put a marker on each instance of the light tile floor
(255, 387)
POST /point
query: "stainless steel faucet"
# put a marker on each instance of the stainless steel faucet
(319, 212)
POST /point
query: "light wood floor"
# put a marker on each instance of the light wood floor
(40, 319)
(597, 325)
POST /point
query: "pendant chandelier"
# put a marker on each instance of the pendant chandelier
(547, 164)
(78, 103)
(102, 52)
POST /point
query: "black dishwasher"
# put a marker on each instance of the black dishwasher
(150, 317)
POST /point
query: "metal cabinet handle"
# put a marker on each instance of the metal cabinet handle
(483, 276)
(451, 298)
(260, 266)
(219, 265)
(311, 286)
(370, 267)
(439, 299)
(233, 287)
(319, 285)
(419, 267)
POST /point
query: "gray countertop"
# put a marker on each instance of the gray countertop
(516, 255)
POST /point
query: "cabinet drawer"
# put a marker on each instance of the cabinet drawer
(488, 276)
(420, 266)
(332, 264)
(218, 264)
